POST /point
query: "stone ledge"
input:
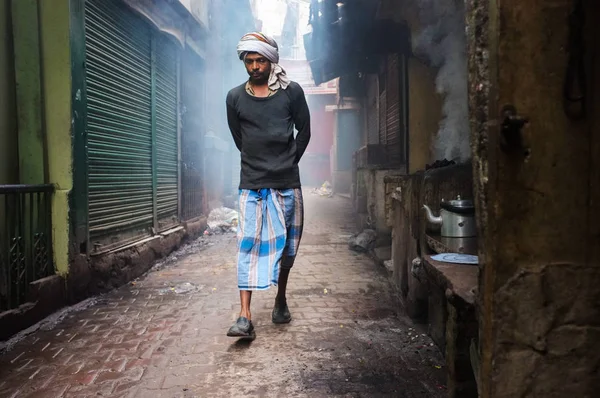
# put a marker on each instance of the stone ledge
(457, 280)
(453, 320)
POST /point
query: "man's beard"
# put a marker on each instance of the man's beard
(263, 78)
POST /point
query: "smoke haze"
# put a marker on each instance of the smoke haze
(443, 43)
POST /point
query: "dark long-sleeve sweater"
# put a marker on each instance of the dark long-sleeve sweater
(263, 131)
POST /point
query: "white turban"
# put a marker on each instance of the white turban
(264, 45)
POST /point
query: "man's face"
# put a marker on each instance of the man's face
(258, 67)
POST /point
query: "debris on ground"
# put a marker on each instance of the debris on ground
(364, 241)
(181, 288)
(222, 220)
(194, 247)
(325, 190)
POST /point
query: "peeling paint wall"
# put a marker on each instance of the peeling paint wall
(537, 202)
(27, 63)
(56, 77)
(378, 200)
(425, 112)
(9, 170)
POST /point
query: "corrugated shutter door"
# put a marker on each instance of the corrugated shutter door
(119, 133)
(382, 117)
(166, 132)
(394, 147)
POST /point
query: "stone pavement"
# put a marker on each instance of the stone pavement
(164, 335)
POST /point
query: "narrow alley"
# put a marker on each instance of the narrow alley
(164, 334)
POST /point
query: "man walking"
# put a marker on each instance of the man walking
(262, 114)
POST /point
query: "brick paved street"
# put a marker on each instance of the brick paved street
(157, 338)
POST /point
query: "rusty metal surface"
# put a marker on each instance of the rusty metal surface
(458, 280)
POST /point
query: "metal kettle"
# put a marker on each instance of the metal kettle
(457, 218)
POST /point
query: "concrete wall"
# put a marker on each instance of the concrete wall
(373, 184)
(199, 9)
(9, 160)
(56, 78)
(538, 202)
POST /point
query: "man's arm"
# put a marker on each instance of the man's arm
(234, 122)
(301, 117)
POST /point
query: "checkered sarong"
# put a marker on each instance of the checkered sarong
(269, 233)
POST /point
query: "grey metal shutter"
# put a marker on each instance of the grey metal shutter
(119, 130)
(393, 145)
(382, 117)
(192, 92)
(166, 92)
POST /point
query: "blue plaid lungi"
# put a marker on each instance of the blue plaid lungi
(269, 233)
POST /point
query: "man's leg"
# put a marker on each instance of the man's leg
(281, 313)
(245, 299)
(284, 274)
(243, 326)
(294, 210)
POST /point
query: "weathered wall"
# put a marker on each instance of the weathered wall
(378, 205)
(537, 203)
(29, 94)
(199, 9)
(9, 160)
(56, 83)
(405, 245)
(425, 112)
(425, 104)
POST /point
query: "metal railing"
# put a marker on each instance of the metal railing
(25, 240)
(192, 187)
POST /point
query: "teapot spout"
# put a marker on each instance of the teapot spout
(431, 218)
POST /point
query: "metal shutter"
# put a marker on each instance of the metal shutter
(166, 98)
(372, 113)
(382, 117)
(393, 146)
(119, 131)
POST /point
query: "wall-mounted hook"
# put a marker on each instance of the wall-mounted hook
(512, 126)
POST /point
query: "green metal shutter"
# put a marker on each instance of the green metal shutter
(166, 101)
(119, 122)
